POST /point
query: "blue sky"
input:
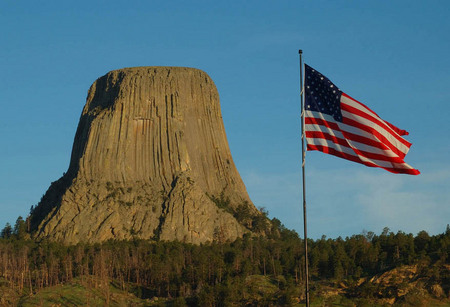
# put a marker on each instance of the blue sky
(390, 55)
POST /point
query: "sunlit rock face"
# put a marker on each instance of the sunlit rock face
(149, 154)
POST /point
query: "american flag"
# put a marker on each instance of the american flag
(339, 125)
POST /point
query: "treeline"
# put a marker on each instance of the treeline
(214, 273)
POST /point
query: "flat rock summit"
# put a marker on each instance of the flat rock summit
(150, 160)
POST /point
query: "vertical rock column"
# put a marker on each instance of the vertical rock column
(149, 153)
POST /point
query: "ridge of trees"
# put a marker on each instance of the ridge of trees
(211, 273)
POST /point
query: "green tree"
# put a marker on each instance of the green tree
(20, 228)
(242, 214)
(6, 231)
(421, 243)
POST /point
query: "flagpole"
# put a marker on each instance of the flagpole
(303, 177)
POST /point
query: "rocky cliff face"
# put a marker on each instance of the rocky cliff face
(149, 157)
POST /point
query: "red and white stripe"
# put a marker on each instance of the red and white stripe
(362, 137)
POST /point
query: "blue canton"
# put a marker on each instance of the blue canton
(321, 94)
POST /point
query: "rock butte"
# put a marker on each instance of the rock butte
(149, 154)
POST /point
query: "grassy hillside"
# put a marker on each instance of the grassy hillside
(401, 289)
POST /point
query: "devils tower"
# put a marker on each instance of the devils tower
(150, 160)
